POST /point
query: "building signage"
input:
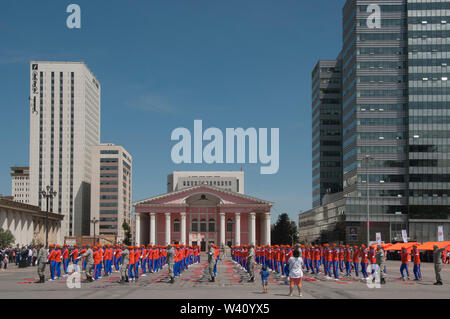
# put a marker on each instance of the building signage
(405, 236)
(378, 235)
(440, 233)
(34, 87)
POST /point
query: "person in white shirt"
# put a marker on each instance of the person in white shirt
(295, 272)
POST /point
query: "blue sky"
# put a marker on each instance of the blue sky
(164, 64)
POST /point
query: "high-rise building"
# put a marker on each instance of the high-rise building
(20, 184)
(231, 181)
(429, 117)
(395, 105)
(111, 190)
(326, 129)
(64, 125)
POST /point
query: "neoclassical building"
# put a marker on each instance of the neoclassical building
(27, 223)
(203, 214)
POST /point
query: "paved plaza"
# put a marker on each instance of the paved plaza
(231, 283)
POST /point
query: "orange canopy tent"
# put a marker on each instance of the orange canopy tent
(429, 245)
(400, 246)
(384, 246)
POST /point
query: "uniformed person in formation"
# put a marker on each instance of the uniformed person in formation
(41, 261)
(381, 262)
(211, 262)
(125, 263)
(437, 253)
(89, 263)
(251, 263)
(171, 261)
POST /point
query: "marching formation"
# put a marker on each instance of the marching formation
(131, 261)
(334, 261)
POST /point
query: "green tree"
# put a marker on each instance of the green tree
(6, 238)
(127, 229)
(284, 232)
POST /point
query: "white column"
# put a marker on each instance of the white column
(252, 229)
(152, 229)
(167, 228)
(267, 228)
(237, 230)
(138, 229)
(222, 229)
(183, 228)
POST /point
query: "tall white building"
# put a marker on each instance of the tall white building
(20, 184)
(111, 190)
(64, 125)
(231, 181)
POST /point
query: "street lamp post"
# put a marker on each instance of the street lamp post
(48, 193)
(94, 221)
(367, 159)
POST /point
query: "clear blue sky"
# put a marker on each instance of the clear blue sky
(162, 64)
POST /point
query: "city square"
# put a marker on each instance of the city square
(175, 151)
(231, 284)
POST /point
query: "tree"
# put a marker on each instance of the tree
(127, 229)
(284, 231)
(6, 238)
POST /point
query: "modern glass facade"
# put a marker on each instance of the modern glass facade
(375, 118)
(327, 129)
(429, 108)
(396, 112)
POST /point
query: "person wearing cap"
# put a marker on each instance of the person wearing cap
(41, 262)
(82, 251)
(341, 258)
(97, 261)
(74, 255)
(381, 263)
(348, 260)
(58, 261)
(211, 262)
(415, 254)
(364, 261)
(125, 258)
(51, 260)
(171, 262)
(251, 263)
(117, 258)
(89, 259)
(355, 258)
(65, 259)
(335, 261)
(373, 260)
(437, 260)
(404, 256)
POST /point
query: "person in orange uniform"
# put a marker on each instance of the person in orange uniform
(373, 260)
(65, 259)
(58, 261)
(316, 260)
(137, 260)
(355, 258)
(348, 260)
(118, 258)
(335, 260)
(416, 258)
(329, 257)
(74, 254)
(131, 264)
(341, 258)
(405, 260)
(364, 260)
(97, 261)
(51, 260)
(83, 263)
